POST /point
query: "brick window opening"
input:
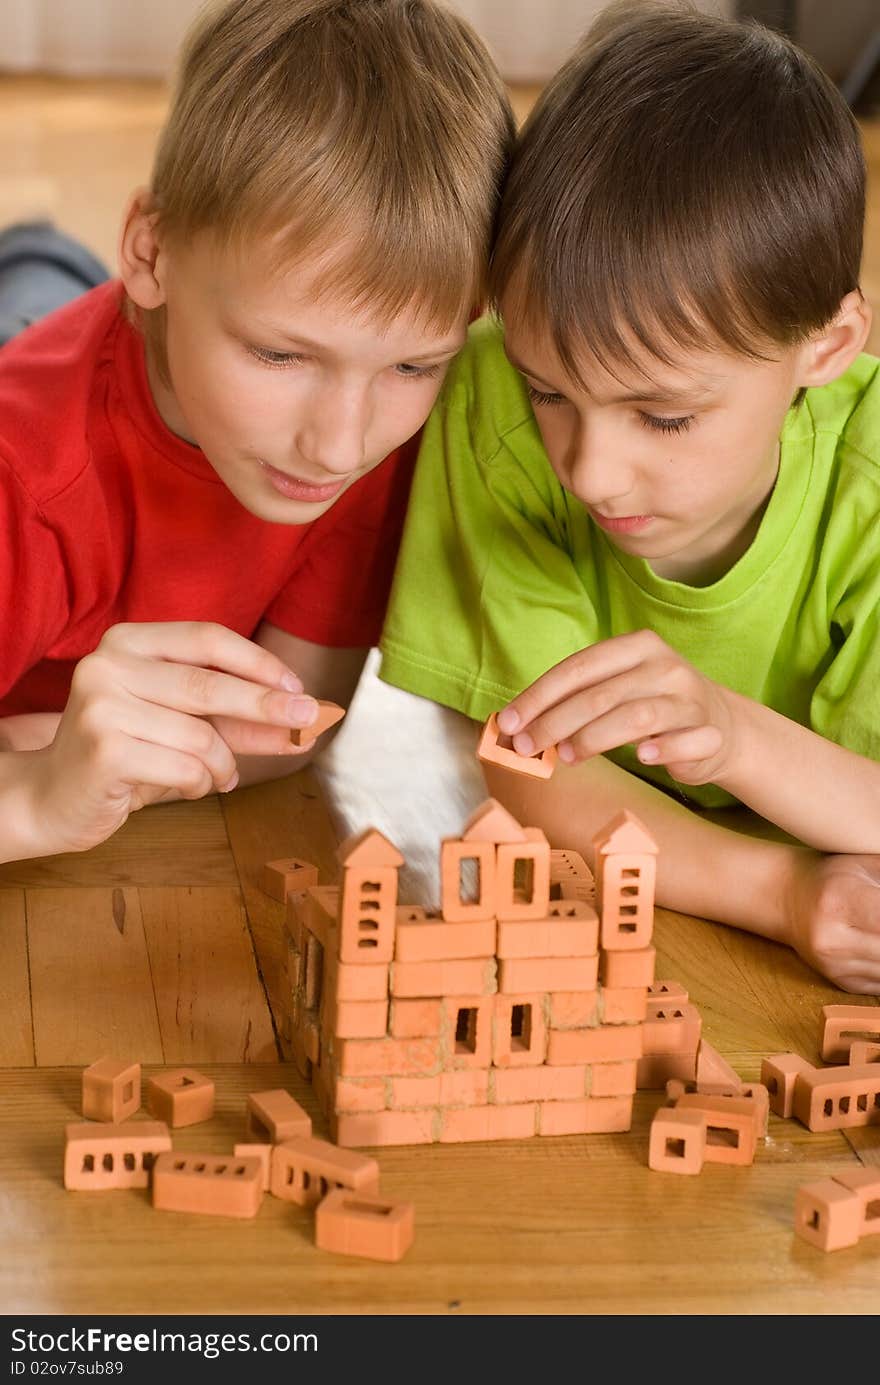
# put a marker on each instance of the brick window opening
(675, 1148)
(872, 1211)
(524, 879)
(185, 1082)
(723, 1136)
(130, 1162)
(470, 881)
(108, 1162)
(88, 1163)
(128, 1091)
(814, 1220)
(828, 1108)
(466, 1031)
(520, 1028)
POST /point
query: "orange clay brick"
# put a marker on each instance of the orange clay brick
(517, 974)
(623, 1005)
(360, 1094)
(456, 907)
(274, 1116)
(359, 1019)
(470, 1036)
(437, 940)
(570, 929)
(608, 1044)
(582, 890)
(424, 980)
(318, 910)
(757, 1092)
(294, 918)
(590, 1116)
(370, 1227)
(665, 992)
(840, 1024)
(539, 1084)
(714, 1073)
(98, 1157)
(491, 822)
(329, 713)
(488, 1123)
(778, 1075)
(367, 914)
(613, 1079)
(568, 865)
(373, 1129)
(388, 1057)
(111, 1091)
(416, 1019)
(520, 1031)
(656, 1069)
(217, 1185)
(303, 1171)
(354, 981)
(621, 970)
(677, 1141)
(469, 1087)
(574, 1009)
(827, 1215)
(180, 1097)
(865, 1183)
(862, 1051)
(497, 749)
(290, 876)
(838, 1098)
(672, 1028)
(261, 1152)
(731, 1126)
(522, 878)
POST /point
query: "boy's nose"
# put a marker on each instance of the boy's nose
(598, 476)
(331, 444)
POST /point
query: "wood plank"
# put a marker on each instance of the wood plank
(168, 844)
(16, 1031)
(91, 988)
(575, 1225)
(286, 818)
(211, 1003)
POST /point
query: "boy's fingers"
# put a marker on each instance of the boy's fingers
(631, 722)
(250, 738)
(205, 644)
(163, 768)
(690, 756)
(163, 728)
(582, 708)
(579, 671)
(205, 692)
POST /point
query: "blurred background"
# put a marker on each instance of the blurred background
(82, 97)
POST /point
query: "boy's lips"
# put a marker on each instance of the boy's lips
(626, 524)
(295, 489)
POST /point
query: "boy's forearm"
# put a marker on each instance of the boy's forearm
(702, 868)
(817, 791)
(20, 836)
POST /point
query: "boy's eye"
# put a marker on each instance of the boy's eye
(418, 372)
(274, 358)
(667, 425)
(541, 397)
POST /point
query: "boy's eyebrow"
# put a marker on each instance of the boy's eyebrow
(447, 348)
(652, 395)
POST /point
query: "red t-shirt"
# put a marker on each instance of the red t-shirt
(107, 516)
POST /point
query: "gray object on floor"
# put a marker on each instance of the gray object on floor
(41, 269)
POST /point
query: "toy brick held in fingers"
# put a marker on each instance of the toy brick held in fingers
(497, 749)
(328, 715)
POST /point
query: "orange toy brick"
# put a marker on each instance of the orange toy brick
(522, 878)
(835, 1213)
(714, 1073)
(371, 1227)
(261, 1152)
(497, 749)
(839, 1098)
(590, 1116)
(463, 900)
(732, 1126)
(862, 1051)
(111, 1091)
(420, 938)
(626, 867)
(491, 822)
(367, 915)
(328, 715)
(287, 877)
(216, 1185)
(180, 1097)
(841, 1024)
(677, 1142)
(274, 1116)
(304, 1171)
(98, 1157)
(520, 1032)
(672, 1028)
(778, 1075)
(570, 929)
(619, 970)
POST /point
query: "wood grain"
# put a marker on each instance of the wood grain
(16, 1031)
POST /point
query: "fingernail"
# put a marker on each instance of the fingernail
(227, 788)
(523, 744)
(301, 711)
(290, 682)
(565, 751)
(508, 721)
(647, 753)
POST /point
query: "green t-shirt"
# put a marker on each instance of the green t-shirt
(502, 573)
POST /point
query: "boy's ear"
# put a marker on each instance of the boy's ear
(139, 252)
(832, 350)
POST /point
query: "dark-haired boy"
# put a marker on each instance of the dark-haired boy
(645, 512)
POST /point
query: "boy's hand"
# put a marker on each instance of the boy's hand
(629, 689)
(834, 919)
(142, 723)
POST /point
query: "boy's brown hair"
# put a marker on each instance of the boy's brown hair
(684, 180)
(381, 127)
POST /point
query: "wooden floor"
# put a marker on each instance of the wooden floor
(161, 946)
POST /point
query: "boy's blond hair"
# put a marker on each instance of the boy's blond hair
(684, 181)
(375, 128)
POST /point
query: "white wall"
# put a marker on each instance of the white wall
(529, 38)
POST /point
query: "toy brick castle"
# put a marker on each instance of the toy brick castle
(517, 1010)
